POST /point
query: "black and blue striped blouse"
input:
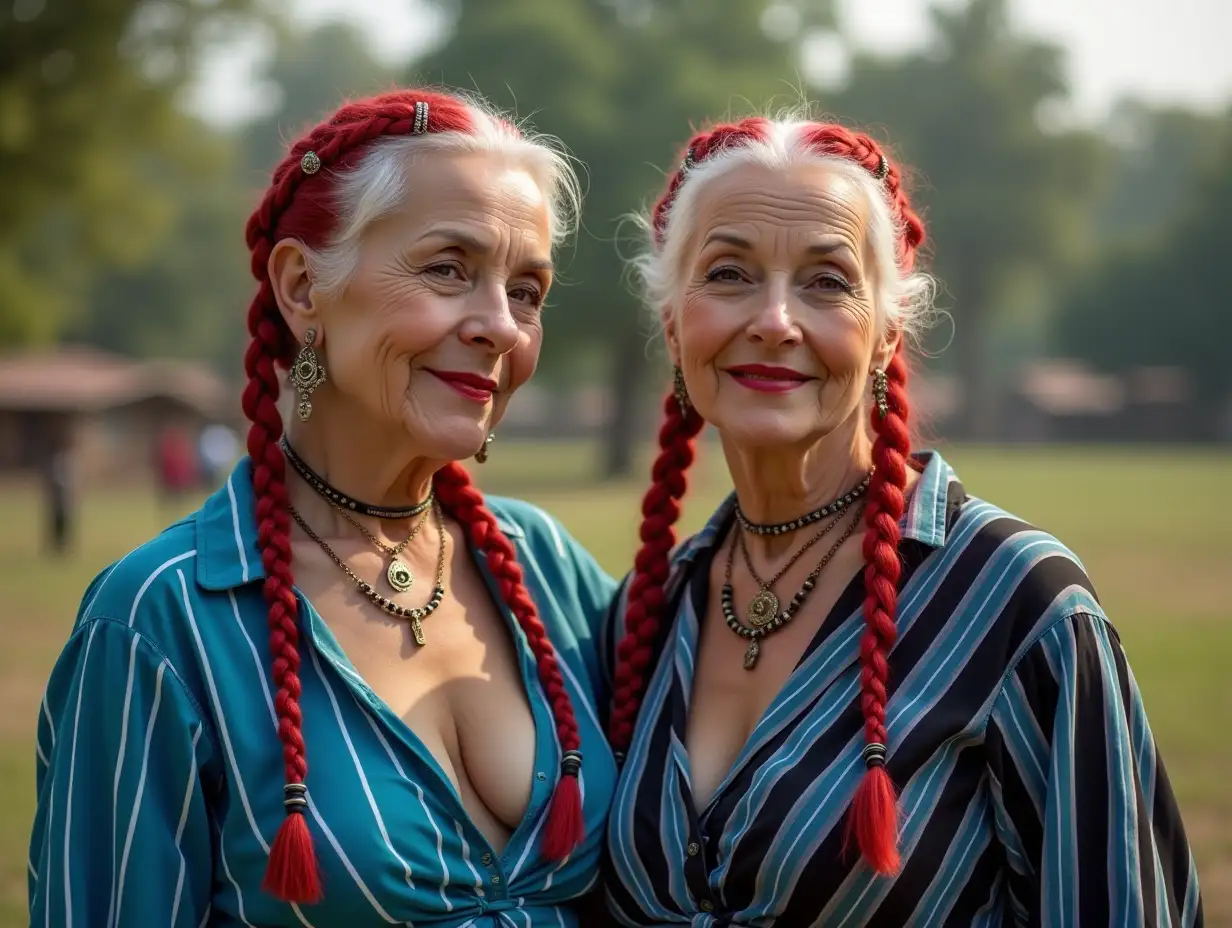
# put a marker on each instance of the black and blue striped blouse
(1032, 792)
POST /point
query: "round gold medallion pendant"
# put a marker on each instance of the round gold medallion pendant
(763, 609)
(399, 575)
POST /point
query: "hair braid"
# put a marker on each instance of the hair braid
(646, 598)
(291, 873)
(565, 829)
(873, 817)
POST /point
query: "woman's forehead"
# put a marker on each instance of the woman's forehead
(752, 200)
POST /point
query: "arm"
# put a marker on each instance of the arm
(1083, 807)
(121, 835)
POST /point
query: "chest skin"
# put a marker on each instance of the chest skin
(461, 693)
(727, 701)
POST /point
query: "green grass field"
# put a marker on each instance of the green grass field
(1154, 529)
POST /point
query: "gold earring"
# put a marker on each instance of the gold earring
(307, 373)
(681, 391)
(482, 454)
(880, 389)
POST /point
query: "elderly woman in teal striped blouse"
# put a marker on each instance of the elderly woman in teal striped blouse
(348, 691)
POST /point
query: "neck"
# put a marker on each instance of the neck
(367, 464)
(778, 484)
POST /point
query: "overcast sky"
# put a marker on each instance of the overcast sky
(1115, 47)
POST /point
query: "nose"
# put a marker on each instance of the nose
(772, 322)
(490, 324)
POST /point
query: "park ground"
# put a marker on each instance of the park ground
(1153, 527)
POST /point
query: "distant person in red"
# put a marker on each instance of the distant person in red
(176, 464)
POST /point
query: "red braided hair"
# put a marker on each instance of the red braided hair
(872, 821)
(300, 205)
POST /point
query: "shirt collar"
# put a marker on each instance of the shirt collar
(227, 552)
(925, 519)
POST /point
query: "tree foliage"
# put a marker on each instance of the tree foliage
(1002, 196)
(87, 91)
(1163, 299)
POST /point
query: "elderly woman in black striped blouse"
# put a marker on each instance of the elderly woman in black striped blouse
(859, 696)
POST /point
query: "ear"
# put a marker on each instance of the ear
(291, 279)
(670, 334)
(886, 348)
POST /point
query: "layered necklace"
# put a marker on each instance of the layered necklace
(765, 614)
(397, 574)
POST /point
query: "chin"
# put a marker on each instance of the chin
(445, 440)
(767, 430)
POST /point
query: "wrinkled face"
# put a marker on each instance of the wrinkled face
(776, 327)
(441, 322)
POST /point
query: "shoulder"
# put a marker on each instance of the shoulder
(154, 592)
(151, 578)
(1001, 580)
(531, 525)
(1002, 551)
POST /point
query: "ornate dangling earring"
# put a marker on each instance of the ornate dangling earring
(482, 454)
(880, 389)
(307, 373)
(681, 391)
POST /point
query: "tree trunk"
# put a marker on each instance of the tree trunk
(978, 421)
(629, 365)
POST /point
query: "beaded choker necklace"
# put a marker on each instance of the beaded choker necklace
(832, 508)
(341, 500)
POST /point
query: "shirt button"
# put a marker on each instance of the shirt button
(486, 860)
(496, 881)
(541, 775)
(694, 848)
(707, 905)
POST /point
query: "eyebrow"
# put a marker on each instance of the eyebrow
(470, 242)
(737, 241)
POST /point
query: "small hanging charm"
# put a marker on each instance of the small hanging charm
(751, 655)
(417, 630)
(399, 575)
(763, 608)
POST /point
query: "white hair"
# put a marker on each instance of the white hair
(379, 184)
(903, 298)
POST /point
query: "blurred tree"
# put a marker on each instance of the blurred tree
(1163, 299)
(186, 298)
(188, 294)
(622, 82)
(86, 91)
(313, 70)
(1158, 152)
(1003, 197)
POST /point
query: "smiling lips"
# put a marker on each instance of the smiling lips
(471, 386)
(766, 378)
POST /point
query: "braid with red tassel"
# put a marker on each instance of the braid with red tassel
(873, 818)
(298, 205)
(564, 830)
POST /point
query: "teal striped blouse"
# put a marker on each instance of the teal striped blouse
(159, 770)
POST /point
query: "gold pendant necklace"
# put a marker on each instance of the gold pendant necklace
(397, 574)
(414, 615)
(763, 613)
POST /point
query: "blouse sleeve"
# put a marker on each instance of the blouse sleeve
(1083, 807)
(121, 835)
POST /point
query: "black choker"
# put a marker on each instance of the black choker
(340, 499)
(830, 509)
